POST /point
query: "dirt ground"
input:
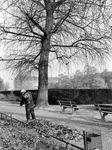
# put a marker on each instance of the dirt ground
(87, 118)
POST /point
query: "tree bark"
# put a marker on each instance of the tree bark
(42, 98)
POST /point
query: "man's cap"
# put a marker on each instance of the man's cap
(23, 91)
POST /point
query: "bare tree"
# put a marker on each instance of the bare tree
(38, 31)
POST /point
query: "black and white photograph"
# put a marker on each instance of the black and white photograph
(55, 74)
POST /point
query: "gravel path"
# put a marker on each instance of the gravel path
(84, 119)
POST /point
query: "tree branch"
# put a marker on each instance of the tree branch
(35, 33)
(60, 22)
(15, 33)
(5, 59)
(35, 23)
(74, 44)
(58, 3)
(38, 3)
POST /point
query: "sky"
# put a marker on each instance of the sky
(54, 71)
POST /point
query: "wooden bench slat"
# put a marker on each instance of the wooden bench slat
(71, 106)
(104, 109)
(68, 104)
(107, 112)
(105, 106)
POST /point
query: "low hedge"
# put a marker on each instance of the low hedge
(80, 96)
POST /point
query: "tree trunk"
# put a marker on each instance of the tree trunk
(42, 98)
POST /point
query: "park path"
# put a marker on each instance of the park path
(84, 119)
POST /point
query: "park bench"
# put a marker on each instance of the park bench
(104, 109)
(68, 104)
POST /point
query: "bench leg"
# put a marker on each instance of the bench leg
(73, 110)
(103, 115)
(63, 109)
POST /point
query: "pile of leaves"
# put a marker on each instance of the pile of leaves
(14, 139)
(48, 128)
(15, 136)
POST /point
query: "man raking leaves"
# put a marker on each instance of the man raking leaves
(27, 99)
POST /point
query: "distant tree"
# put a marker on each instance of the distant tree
(76, 80)
(64, 82)
(38, 31)
(107, 76)
(92, 78)
(6, 86)
(99, 83)
(90, 70)
(3, 86)
(93, 83)
(89, 78)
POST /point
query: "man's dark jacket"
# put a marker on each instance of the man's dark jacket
(27, 99)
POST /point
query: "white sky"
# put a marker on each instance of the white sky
(54, 71)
